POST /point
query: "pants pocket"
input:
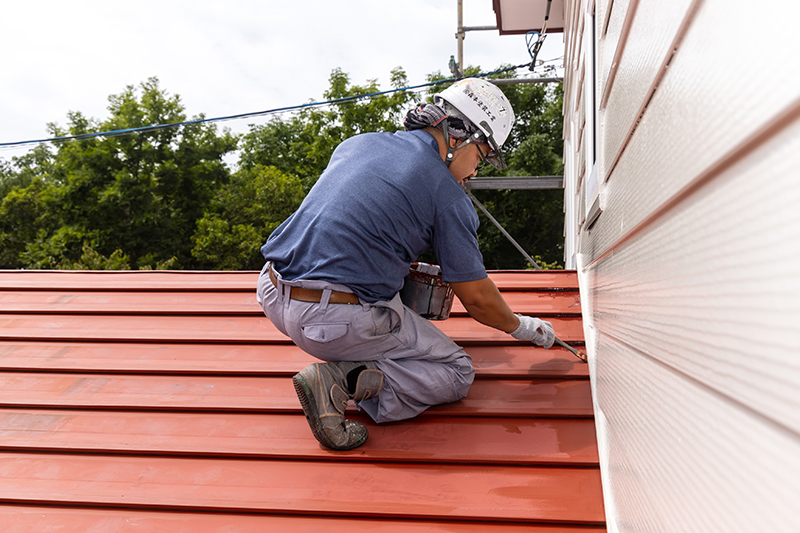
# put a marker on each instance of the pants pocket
(324, 333)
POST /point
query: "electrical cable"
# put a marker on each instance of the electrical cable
(529, 41)
(540, 38)
(145, 129)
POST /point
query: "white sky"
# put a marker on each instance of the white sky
(225, 57)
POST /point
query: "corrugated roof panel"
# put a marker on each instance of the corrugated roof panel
(166, 396)
(248, 359)
(230, 329)
(431, 439)
(23, 519)
(194, 281)
(473, 492)
(270, 394)
(219, 303)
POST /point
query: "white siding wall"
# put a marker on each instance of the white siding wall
(691, 275)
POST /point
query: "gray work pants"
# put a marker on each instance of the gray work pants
(421, 365)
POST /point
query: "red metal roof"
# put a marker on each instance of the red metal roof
(150, 401)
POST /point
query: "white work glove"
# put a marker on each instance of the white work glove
(537, 331)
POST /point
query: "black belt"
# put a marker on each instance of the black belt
(301, 294)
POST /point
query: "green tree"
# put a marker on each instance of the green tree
(23, 170)
(91, 259)
(243, 215)
(21, 214)
(164, 197)
(140, 193)
(285, 144)
(303, 144)
(535, 218)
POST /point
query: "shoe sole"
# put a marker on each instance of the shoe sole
(312, 415)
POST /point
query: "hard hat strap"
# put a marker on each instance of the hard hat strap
(450, 150)
(449, 157)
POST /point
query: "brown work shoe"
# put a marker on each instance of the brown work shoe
(324, 392)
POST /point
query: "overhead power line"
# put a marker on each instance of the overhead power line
(308, 105)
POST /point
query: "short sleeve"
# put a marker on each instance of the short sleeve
(455, 242)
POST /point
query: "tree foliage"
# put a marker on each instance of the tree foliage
(164, 197)
(303, 144)
(140, 193)
(535, 218)
(243, 215)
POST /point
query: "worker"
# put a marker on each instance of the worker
(334, 268)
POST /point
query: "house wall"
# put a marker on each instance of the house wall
(690, 274)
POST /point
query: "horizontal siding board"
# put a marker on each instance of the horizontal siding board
(27, 519)
(602, 10)
(430, 439)
(703, 108)
(245, 329)
(652, 32)
(227, 303)
(269, 395)
(719, 304)
(519, 360)
(520, 493)
(685, 458)
(609, 41)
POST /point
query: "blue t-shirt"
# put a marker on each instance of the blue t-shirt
(384, 199)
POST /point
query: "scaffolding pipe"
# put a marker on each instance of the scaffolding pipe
(460, 34)
(502, 229)
(460, 37)
(513, 81)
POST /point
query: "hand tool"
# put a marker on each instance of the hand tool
(580, 355)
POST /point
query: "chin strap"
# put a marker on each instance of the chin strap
(449, 157)
(450, 151)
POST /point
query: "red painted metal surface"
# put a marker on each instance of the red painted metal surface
(27, 519)
(474, 492)
(269, 394)
(179, 280)
(245, 329)
(526, 361)
(431, 439)
(184, 280)
(165, 396)
(131, 303)
(227, 303)
(509, 361)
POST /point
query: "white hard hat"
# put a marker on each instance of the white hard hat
(485, 106)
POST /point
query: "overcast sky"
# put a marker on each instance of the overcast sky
(225, 57)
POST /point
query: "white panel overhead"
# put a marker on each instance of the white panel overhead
(522, 16)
